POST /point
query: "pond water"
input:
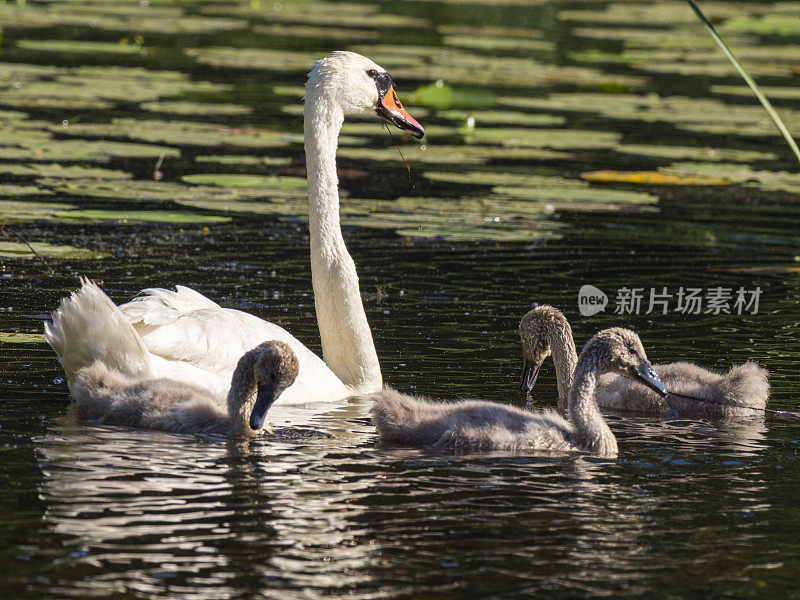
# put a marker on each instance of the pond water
(154, 143)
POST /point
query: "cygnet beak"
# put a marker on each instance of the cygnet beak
(264, 400)
(647, 375)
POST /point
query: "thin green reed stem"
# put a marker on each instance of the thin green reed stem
(761, 97)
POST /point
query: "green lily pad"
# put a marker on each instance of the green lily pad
(247, 181)
(501, 117)
(695, 153)
(162, 191)
(696, 114)
(82, 150)
(79, 47)
(325, 14)
(254, 58)
(237, 159)
(763, 180)
(184, 133)
(440, 96)
(22, 190)
(12, 337)
(316, 32)
(786, 25)
(580, 198)
(195, 108)
(770, 91)
(65, 172)
(20, 250)
(13, 211)
(494, 43)
(140, 216)
(463, 155)
(504, 178)
(544, 138)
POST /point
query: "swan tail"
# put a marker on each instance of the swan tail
(88, 327)
(405, 419)
(158, 306)
(745, 385)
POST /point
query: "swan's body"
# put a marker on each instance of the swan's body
(110, 397)
(186, 337)
(480, 425)
(693, 391)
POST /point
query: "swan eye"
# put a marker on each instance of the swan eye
(372, 73)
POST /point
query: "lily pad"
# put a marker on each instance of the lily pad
(764, 180)
(195, 108)
(82, 150)
(254, 58)
(580, 198)
(13, 211)
(184, 133)
(65, 172)
(441, 96)
(544, 138)
(161, 191)
(238, 159)
(247, 181)
(440, 154)
(501, 117)
(79, 47)
(22, 190)
(316, 32)
(20, 250)
(496, 44)
(653, 178)
(140, 216)
(770, 91)
(695, 153)
(12, 337)
(504, 178)
(786, 25)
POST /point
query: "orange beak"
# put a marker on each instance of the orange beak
(390, 109)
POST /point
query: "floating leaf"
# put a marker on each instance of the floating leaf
(65, 172)
(46, 149)
(12, 211)
(22, 190)
(185, 133)
(653, 178)
(695, 153)
(78, 47)
(237, 159)
(504, 177)
(580, 198)
(440, 96)
(140, 216)
(501, 117)
(247, 181)
(195, 108)
(20, 250)
(764, 180)
(12, 337)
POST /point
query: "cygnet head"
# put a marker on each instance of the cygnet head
(357, 85)
(620, 351)
(275, 368)
(536, 329)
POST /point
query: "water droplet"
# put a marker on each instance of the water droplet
(58, 380)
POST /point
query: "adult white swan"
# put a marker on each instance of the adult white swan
(184, 336)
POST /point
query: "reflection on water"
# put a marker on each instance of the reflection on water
(309, 514)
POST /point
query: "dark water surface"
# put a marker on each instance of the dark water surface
(689, 509)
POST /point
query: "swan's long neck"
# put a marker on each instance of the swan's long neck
(347, 345)
(242, 396)
(562, 348)
(584, 415)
